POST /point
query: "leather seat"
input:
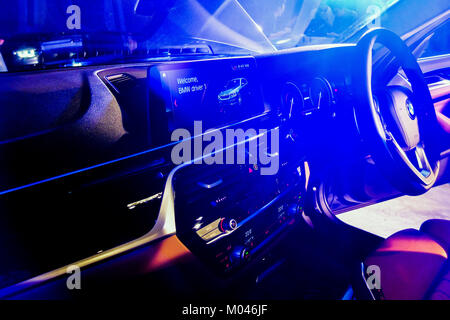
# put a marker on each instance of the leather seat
(414, 264)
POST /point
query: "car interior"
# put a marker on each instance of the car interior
(113, 163)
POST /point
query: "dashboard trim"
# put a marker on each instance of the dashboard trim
(164, 227)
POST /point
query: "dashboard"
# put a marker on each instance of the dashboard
(225, 214)
(129, 192)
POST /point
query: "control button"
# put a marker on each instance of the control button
(240, 254)
(211, 235)
(227, 224)
(293, 209)
(209, 228)
(246, 254)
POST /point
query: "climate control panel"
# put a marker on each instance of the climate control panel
(227, 214)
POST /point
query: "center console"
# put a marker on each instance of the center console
(227, 214)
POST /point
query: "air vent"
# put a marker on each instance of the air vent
(121, 81)
(176, 51)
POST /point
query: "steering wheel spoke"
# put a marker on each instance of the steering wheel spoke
(424, 166)
(417, 162)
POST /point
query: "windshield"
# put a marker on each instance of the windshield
(42, 34)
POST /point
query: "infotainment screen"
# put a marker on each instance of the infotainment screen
(217, 92)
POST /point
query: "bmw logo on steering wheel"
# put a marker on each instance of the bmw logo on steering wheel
(410, 108)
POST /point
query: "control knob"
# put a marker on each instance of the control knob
(227, 225)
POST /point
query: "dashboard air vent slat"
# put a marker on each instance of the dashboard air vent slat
(121, 81)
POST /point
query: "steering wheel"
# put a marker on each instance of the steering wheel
(398, 125)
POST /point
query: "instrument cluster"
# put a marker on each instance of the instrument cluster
(300, 100)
